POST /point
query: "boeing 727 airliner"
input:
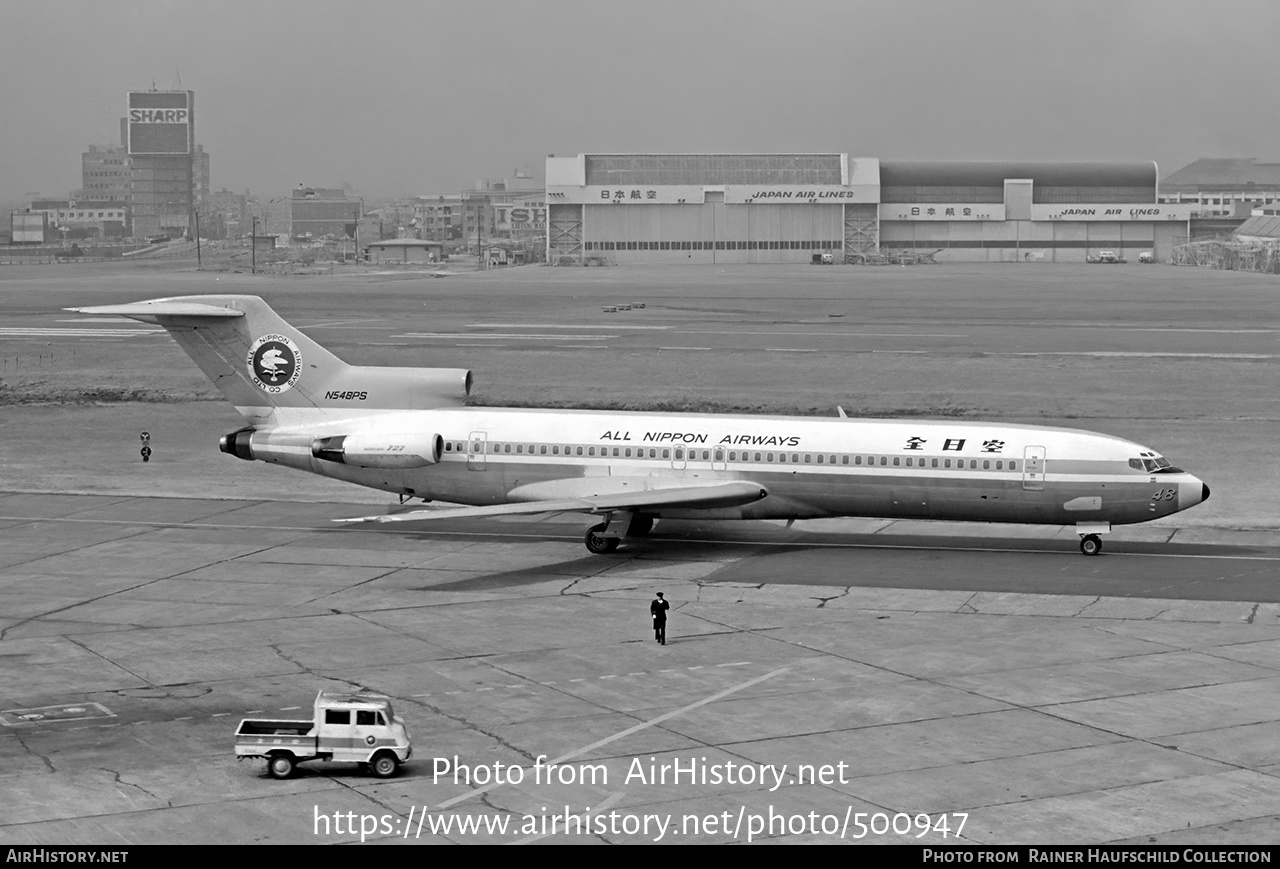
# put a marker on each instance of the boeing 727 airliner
(407, 431)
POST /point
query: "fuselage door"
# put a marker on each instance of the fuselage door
(718, 462)
(680, 458)
(1033, 469)
(476, 447)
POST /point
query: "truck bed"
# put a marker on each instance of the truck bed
(263, 727)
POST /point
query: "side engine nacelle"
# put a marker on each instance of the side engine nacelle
(380, 450)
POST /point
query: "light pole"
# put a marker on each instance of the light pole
(253, 247)
(266, 211)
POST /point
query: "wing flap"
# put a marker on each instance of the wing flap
(730, 494)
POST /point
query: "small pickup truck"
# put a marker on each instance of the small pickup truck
(352, 727)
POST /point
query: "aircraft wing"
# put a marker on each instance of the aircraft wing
(729, 494)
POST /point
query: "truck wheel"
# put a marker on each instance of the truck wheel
(385, 765)
(280, 765)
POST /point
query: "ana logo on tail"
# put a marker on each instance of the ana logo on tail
(275, 363)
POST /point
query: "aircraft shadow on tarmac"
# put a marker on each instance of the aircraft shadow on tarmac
(770, 554)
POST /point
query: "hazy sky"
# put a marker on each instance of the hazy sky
(426, 97)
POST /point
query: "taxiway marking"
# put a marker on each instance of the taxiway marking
(1136, 354)
(56, 332)
(554, 326)
(623, 734)
(831, 334)
(1206, 331)
(504, 336)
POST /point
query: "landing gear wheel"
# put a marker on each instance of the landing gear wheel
(280, 765)
(640, 526)
(385, 765)
(1091, 544)
(597, 543)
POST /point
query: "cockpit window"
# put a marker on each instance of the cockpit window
(1154, 465)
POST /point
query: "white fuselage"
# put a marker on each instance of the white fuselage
(811, 467)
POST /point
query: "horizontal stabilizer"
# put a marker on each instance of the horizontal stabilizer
(148, 311)
(730, 494)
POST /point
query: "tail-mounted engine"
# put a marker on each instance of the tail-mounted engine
(238, 444)
(380, 450)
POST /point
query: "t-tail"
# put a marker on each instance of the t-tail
(275, 375)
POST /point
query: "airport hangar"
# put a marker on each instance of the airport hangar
(787, 208)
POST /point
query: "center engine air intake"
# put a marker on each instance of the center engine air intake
(395, 451)
(238, 444)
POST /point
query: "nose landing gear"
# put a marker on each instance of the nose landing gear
(1091, 544)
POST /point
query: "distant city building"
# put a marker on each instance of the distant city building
(440, 217)
(82, 220)
(106, 177)
(169, 171)
(157, 171)
(105, 174)
(1227, 187)
(400, 219)
(316, 212)
(390, 251)
(431, 218)
(28, 227)
(370, 228)
(521, 216)
(479, 217)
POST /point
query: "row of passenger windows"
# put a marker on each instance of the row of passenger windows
(769, 244)
(738, 456)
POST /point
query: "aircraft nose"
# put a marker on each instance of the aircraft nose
(1193, 491)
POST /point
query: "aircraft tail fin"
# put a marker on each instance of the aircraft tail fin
(274, 374)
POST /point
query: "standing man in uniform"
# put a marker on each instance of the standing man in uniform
(658, 609)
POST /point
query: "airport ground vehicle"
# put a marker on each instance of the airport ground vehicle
(1106, 257)
(351, 727)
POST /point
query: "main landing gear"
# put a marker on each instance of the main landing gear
(1091, 544)
(601, 540)
(597, 542)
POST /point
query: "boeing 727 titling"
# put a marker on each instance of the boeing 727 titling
(407, 431)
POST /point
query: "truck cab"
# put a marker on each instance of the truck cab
(352, 727)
